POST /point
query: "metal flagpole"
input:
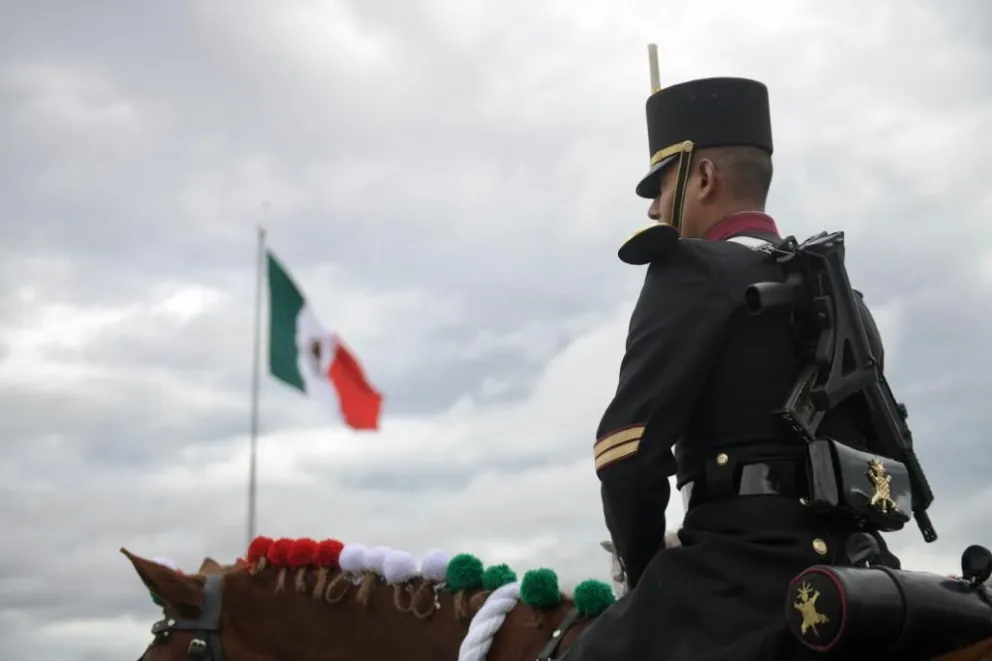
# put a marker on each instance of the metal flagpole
(256, 383)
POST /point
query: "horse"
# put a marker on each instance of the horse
(353, 603)
(307, 601)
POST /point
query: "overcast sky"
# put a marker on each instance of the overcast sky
(449, 181)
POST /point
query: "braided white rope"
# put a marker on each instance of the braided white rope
(487, 622)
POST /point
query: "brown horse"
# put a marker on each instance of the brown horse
(314, 613)
(311, 613)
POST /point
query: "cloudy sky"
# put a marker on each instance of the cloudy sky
(449, 181)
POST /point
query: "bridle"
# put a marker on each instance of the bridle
(550, 648)
(205, 645)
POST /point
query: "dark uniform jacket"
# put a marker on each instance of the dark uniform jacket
(698, 383)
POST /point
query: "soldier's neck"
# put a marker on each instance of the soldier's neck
(706, 218)
(741, 222)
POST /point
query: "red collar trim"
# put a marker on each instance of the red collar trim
(739, 223)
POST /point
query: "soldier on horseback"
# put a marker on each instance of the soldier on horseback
(779, 466)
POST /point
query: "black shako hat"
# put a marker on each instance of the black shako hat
(708, 112)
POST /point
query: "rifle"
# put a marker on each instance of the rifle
(831, 332)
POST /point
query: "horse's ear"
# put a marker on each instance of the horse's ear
(210, 566)
(167, 584)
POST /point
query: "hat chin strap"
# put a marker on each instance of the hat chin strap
(684, 151)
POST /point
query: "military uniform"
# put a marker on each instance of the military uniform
(698, 382)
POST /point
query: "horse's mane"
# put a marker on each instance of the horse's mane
(329, 571)
(414, 594)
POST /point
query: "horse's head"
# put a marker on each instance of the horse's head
(190, 628)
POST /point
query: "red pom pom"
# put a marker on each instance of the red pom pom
(278, 552)
(328, 553)
(301, 553)
(258, 549)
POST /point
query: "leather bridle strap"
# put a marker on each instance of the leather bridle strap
(205, 645)
(549, 650)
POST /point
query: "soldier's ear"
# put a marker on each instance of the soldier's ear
(185, 593)
(706, 179)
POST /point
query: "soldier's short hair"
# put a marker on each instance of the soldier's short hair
(749, 171)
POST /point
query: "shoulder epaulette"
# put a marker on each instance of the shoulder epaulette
(649, 244)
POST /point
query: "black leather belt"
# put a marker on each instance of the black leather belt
(772, 478)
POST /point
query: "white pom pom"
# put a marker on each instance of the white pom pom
(399, 567)
(672, 540)
(375, 559)
(171, 564)
(352, 558)
(435, 566)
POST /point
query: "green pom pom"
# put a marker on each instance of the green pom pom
(156, 600)
(497, 576)
(592, 598)
(464, 572)
(539, 589)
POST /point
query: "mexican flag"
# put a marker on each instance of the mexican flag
(306, 356)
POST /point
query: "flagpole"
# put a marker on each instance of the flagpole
(255, 384)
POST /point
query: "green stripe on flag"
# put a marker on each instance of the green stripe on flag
(285, 303)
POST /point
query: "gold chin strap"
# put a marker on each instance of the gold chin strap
(684, 151)
(653, 241)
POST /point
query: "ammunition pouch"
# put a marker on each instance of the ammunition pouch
(872, 490)
(864, 612)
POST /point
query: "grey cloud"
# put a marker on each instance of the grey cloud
(146, 524)
(473, 191)
(150, 428)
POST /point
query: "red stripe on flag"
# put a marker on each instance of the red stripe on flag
(360, 402)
